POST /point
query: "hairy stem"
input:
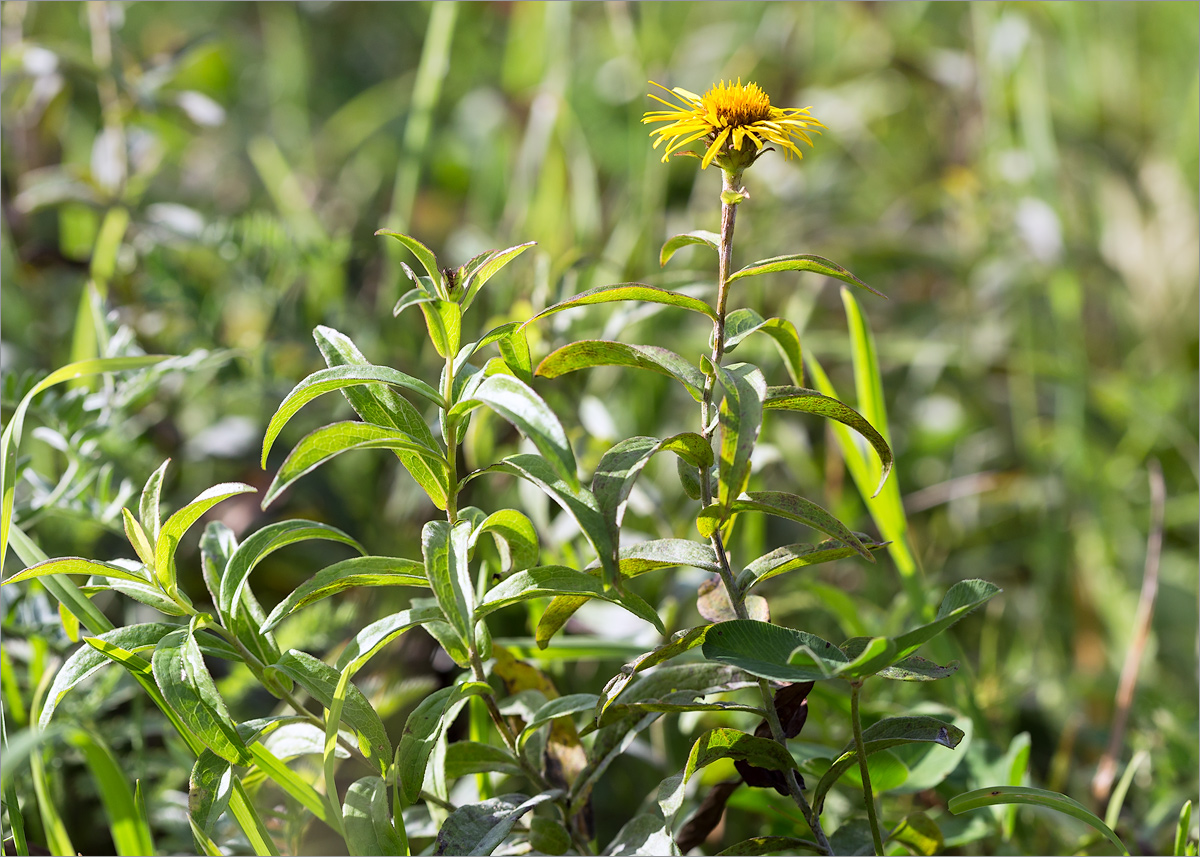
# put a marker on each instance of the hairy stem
(861, 750)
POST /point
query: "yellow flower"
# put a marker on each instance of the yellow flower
(735, 121)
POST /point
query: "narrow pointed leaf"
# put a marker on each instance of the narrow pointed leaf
(138, 539)
(741, 419)
(375, 636)
(480, 828)
(741, 323)
(75, 565)
(629, 292)
(447, 566)
(911, 668)
(588, 353)
(175, 526)
(148, 511)
(773, 652)
(516, 532)
(961, 599)
(424, 254)
(677, 242)
(734, 744)
(791, 557)
(424, 727)
(1002, 795)
(802, 262)
(562, 706)
(783, 505)
(357, 571)
(478, 276)
(559, 580)
(680, 642)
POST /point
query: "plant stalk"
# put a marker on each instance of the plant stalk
(861, 750)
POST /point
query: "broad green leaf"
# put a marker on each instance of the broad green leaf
(783, 505)
(174, 527)
(677, 242)
(562, 706)
(447, 566)
(475, 275)
(332, 440)
(741, 419)
(265, 542)
(443, 319)
(758, 845)
(422, 730)
(424, 254)
(790, 557)
(209, 788)
(641, 557)
(588, 353)
(366, 821)
(74, 565)
(929, 764)
(887, 733)
(86, 660)
(733, 744)
(375, 636)
(471, 757)
(741, 323)
(644, 835)
(769, 651)
(10, 439)
(801, 262)
(187, 686)
(480, 828)
(559, 580)
(381, 405)
(548, 835)
(514, 400)
(961, 599)
(148, 511)
(321, 681)
(629, 292)
(339, 378)
(1001, 795)
(812, 402)
(356, 571)
(516, 532)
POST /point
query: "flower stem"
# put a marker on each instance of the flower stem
(861, 751)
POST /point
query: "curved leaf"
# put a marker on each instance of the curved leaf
(209, 788)
(734, 744)
(356, 571)
(783, 505)
(366, 820)
(448, 567)
(148, 511)
(559, 580)
(334, 439)
(911, 668)
(773, 652)
(75, 565)
(424, 727)
(741, 323)
(596, 352)
(741, 419)
(629, 292)
(443, 320)
(562, 706)
(516, 532)
(999, 795)
(424, 254)
(479, 274)
(680, 642)
(790, 557)
(339, 378)
(375, 636)
(961, 599)
(480, 828)
(802, 262)
(677, 242)
(812, 402)
(175, 526)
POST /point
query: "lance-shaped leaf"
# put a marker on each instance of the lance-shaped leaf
(802, 262)
(365, 819)
(447, 566)
(483, 267)
(443, 319)
(741, 418)
(740, 323)
(424, 727)
(563, 706)
(680, 642)
(175, 526)
(209, 788)
(480, 828)
(737, 745)
(472, 757)
(961, 599)
(512, 399)
(188, 687)
(516, 532)
(339, 378)
(812, 402)
(588, 353)
(560, 580)
(770, 651)
(148, 511)
(1001, 795)
(782, 505)
(790, 557)
(414, 297)
(375, 636)
(629, 292)
(263, 543)
(357, 571)
(424, 254)
(75, 565)
(677, 242)
(334, 439)
(911, 668)
(321, 682)
(381, 405)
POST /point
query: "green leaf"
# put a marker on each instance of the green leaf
(562, 706)
(559, 580)
(514, 400)
(588, 353)
(356, 571)
(516, 532)
(677, 242)
(365, 819)
(332, 440)
(66, 592)
(148, 506)
(265, 542)
(443, 319)
(10, 439)
(741, 419)
(918, 833)
(790, 557)
(680, 642)
(480, 828)
(812, 402)
(787, 506)
(769, 651)
(741, 323)
(961, 599)
(424, 727)
(1001, 795)
(248, 820)
(379, 404)
(174, 527)
(375, 636)
(733, 744)
(414, 297)
(447, 566)
(187, 686)
(802, 262)
(339, 378)
(629, 292)
(424, 254)
(911, 668)
(321, 681)
(768, 845)
(471, 757)
(888, 733)
(477, 275)
(209, 788)
(87, 661)
(1183, 830)
(644, 835)
(641, 557)
(138, 539)
(74, 565)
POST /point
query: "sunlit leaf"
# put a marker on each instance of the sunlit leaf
(801, 262)
(629, 292)
(589, 353)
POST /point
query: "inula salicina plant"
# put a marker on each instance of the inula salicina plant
(523, 776)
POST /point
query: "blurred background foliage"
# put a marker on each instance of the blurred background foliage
(1019, 178)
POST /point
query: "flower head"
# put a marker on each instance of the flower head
(736, 123)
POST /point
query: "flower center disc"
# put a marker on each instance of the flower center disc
(738, 105)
